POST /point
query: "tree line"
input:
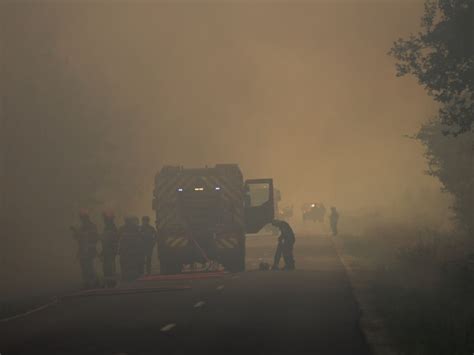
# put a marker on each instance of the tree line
(441, 58)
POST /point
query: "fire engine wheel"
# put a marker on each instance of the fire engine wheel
(168, 268)
(235, 264)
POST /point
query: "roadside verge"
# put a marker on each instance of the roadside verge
(371, 324)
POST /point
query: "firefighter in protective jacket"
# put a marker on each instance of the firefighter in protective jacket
(286, 241)
(86, 236)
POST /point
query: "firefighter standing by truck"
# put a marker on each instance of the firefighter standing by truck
(87, 237)
(109, 249)
(148, 234)
(333, 220)
(286, 241)
(131, 250)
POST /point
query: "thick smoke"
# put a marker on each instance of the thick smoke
(97, 97)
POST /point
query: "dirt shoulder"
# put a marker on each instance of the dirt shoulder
(360, 274)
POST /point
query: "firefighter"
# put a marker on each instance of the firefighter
(131, 250)
(286, 241)
(277, 257)
(87, 237)
(148, 234)
(109, 249)
(333, 220)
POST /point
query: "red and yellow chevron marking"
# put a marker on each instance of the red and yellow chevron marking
(227, 242)
(176, 242)
(166, 195)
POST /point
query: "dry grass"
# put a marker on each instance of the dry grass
(423, 287)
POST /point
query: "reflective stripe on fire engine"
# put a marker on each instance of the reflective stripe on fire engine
(176, 242)
(227, 242)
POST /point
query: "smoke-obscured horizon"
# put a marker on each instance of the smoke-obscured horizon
(97, 97)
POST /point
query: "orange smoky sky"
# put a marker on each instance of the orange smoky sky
(301, 91)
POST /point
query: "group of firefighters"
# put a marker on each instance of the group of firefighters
(132, 243)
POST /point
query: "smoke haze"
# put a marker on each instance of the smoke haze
(303, 92)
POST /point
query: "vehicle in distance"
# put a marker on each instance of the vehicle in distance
(314, 212)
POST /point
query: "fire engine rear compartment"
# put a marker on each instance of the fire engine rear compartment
(201, 216)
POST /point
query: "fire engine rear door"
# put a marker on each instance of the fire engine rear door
(259, 204)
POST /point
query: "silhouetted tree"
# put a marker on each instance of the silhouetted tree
(451, 160)
(441, 57)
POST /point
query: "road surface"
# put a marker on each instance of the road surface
(307, 311)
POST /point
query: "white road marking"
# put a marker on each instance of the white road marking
(220, 288)
(40, 308)
(168, 327)
(199, 304)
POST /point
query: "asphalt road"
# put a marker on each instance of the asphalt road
(307, 311)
